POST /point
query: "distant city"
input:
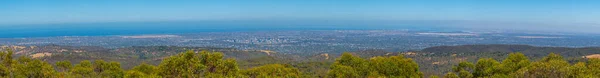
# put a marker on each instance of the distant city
(317, 41)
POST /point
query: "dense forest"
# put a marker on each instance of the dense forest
(193, 64)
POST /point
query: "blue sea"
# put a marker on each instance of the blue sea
(137, 28)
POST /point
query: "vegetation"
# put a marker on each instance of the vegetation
(185, 65)
(517, 65)
(350, 66)
(274, 70)
(191, 64)
(432, 61)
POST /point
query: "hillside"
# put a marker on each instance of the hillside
(441, 58)
(496, 49)
(128, 56)
(432, 60)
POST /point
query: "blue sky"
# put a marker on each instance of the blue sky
(14, 12)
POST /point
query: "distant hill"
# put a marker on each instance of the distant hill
(434, 60)
(439, 59)
(530, 51)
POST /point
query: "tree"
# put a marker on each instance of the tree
(145, 68)
(513, 63)
(83, 69)
(100, 66)
(273, 71)
(464, 69)
(485, 67)
(106, 69)
(34, 68)
(579, 70)
(4, 71)
(518, 66)
(347, 66)
(593, 66)
(64, 66)
(186, 65)
(112, 70)
(341, 71)
(203, 64)
(552, 65)
(7, 63)
(395, 66)
(434, 76)
(451, 75)
(139, 74)
(142, 71)
(463, 66)
(465, 74)
(216, 66)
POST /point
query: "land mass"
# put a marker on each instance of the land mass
(432, 61)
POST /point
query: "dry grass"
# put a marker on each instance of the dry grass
(38, 55)
(592, 56)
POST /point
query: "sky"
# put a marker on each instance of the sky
(19, 12)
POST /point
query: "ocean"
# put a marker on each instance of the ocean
(138, 28)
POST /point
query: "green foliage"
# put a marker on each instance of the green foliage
(4, 71)
(145, 68)
(518, 66)
(187, 64)
(139, 74)
(204, 64)
(216, 66)
(463, 66)
(7, 63)
(433, 76)
(513, 62)
(142, 71)
(83, 69)
(213, 65)
(551, 66)
(394, 66)
(274, 71)
(350, 66)
(593, 66)
(465, 74)
(313, 69)
(552, 57)
(182, 65)
(485, 67)
(579, 70)
(341, 71)
(24, 67)
(112, 70)
(30, 68)
(451, 75)
(463, 69)
(64, 66)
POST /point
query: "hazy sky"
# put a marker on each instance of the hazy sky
(78, 11)
(543, 15)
